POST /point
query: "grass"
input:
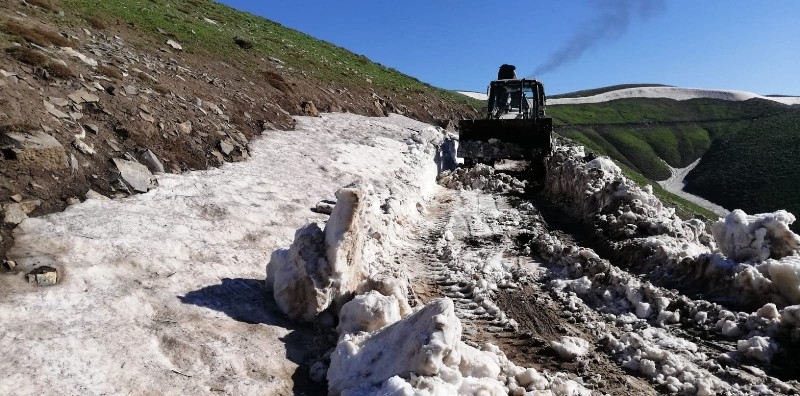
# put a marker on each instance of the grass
(36, 35)
(238, 33)
(748, 147)
(45, 4)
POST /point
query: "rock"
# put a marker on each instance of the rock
(35, 149)
(113, 144)
(14, 213)
(85, 59)
(61, 102)
(73, 200)
(83, 96)
(135, 174)
(174, 44)
(143, 107)
(83, 147)
(185, 127)
(214, 108)
(43, 276)
(16, 198)
(73, 163)
(91, 194)
(151, 161)
(8, 265)
(29, 205)
(93, 128)
(325, 207)
(146, 117)
(226, 147)
(57, 113)
(131, 90)
(309, 109)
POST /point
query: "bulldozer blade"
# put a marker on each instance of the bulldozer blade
(505, 139)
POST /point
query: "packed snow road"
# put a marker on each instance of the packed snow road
(406, 287)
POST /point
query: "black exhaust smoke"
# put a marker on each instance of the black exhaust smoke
(611, 22)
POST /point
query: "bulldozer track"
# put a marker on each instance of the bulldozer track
(463, 227)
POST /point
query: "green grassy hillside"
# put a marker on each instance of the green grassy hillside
(204, 26)
(748, 147)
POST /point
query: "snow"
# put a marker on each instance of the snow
(368, 312)
(568, 348)
(480, 177)
(672, 93)
(676, 183)
(475, 95)
(421, 343)
(167, 287)
(756, 238)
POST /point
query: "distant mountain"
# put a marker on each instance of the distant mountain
(676, 93)
(747, 142)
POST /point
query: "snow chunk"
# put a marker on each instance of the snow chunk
(755, 238)
(300, 277)
(759, 348)
(480, 177)
(785, 274)
(791, 315)
(569, 348)
(368, 312)
(768, 311)
(418, 344)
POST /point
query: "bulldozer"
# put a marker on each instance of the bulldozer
(515, 127)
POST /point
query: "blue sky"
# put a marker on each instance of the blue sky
(726, 44)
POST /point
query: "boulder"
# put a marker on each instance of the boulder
(308, 108)
(92, 194)
(43, 276)
(14, 213)
(151, 161)
(35, 149)
(226, 147)
(135, 175)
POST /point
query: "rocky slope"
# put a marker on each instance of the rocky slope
(99, 105)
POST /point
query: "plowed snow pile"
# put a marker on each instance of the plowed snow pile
(480, 177)
(348, 270)
(757, 264)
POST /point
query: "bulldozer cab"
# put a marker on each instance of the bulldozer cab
(515, 99)
(515, 126)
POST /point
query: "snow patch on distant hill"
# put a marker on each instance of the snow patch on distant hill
(475, 95)
(673, 93)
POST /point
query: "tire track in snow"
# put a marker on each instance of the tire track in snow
(467, 251)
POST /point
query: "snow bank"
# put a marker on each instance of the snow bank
(672, 93)
(480, 177)
(423, 354)
(755, 238)
(595, 190)
(164, 289)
